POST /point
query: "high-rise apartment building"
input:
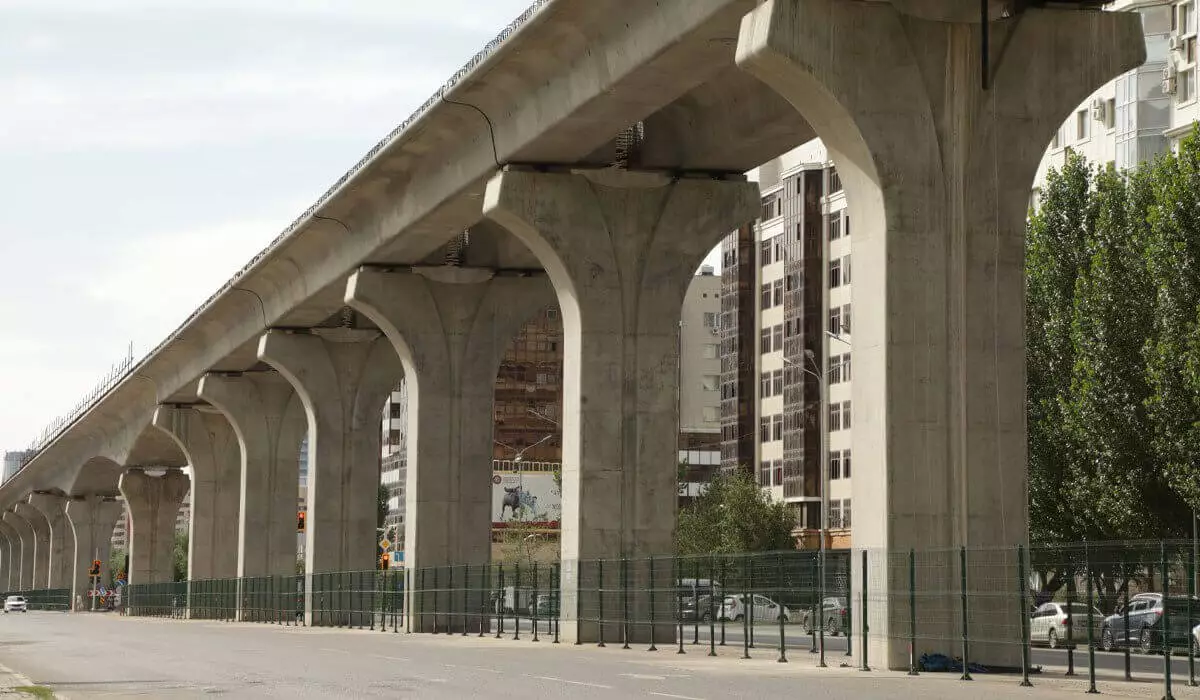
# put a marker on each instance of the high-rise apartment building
(786, 324)
(13, 462)
(1145, 111)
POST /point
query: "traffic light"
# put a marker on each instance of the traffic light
(95, 570)
(383, 561)
(300, 518)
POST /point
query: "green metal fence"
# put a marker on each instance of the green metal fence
(964, 610)
(44, 598)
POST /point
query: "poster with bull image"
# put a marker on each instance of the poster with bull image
(531, 498)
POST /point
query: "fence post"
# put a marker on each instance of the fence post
(466, 601)
(485, 594)
(745, 614)
(1091, 634)
(652, 597)
(695, 601)
(676, 569)
(1191, 613)
(821, 602)
(779, 600)
(625, 602)
(966, 658)
(536, 600)
(1023, 612)
(556, 595)
(500, 605)
(912, 612)
(1166, 619)
(1125, 620)
(866, 627)
(600, 608)
(1072, 598)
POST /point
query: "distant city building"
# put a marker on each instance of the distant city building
(13, 462)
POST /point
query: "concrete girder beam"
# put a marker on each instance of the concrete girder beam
(153, 503)
(26, 546)
(937, 172)
(621, 249)
(269, 420)
(10, 557)
(212, 451)
(92, 519)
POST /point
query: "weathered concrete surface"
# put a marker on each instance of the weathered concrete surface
(937, 172)
(41, 543)
(10, 557)
(25, 547)
(92, 519)
(153, 503)
(268, 418)
(621, 250)
(213, 453)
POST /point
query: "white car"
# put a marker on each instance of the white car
(1052, 625)
(765, 609)
(15, 603)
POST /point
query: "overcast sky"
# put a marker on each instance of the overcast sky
(148, 148)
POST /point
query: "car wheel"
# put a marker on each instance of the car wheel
(1107, 643)
(1146, 640)
(785, 619)
(706, 617)
(832, 626)
(806, 626)
(1052, 639)
(737, 618)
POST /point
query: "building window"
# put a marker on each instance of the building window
(835, 181)
(777, 287)
(711, 351)
(835, 320)
(710, 319)
(835, 369)
(1083, 125)
(710, 414)
(835, 515)
(846, 367)
(764, 473)
(711, 381)
(778, 332)
(764, 253)
(777, 426)
(772, 207)
(764, 429)
(846, 415)
(766, 296)
(846, 463)
(845, 319)
(780, 255)
(777, 382)
(1185, 90)
(846, 514)
(835, 417)
(846, 226)
(835, 226)
(764, 340)
(846, 270)
(778, 468)
(835, 274)
(835, 465)
(1110, 113)
(764, 385)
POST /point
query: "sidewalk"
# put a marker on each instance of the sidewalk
(14, 685)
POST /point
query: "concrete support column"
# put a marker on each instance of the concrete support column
(41, 544)
(25, 542)
(450, 327)
(153, 507)
(342, 376)
(212, 451)
(92, 519)
(269, 420)
(937, 167)
(10, 557)
(621, 249)
(61, 539)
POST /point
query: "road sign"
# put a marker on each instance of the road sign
(95, 571)
(385, 543)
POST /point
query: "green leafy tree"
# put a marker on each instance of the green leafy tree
(116, 564)
(180, 572)
(734, 515)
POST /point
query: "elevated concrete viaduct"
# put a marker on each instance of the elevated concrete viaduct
(936, 142)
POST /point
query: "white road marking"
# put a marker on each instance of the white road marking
(390, 658)
(564, 680)
(644, 677)
(481, 668)
(677, 697)
(335, 651)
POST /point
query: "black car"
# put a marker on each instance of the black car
(1145, 630)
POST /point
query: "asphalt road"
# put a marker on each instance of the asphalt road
(97, 655)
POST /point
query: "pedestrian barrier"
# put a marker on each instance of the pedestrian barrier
(966, 610)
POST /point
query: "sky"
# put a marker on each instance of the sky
(149, 149)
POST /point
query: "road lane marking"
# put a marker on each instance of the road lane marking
(481, 668)
(336, 651)
(644, 677)
(677, 697)
(390, 658)
(564, 680)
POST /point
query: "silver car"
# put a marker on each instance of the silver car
(1051, 625)
(15, 603)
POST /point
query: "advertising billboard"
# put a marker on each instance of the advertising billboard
(529, 498)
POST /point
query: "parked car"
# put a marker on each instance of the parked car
(1145, 632)
(1053, 623)
(735, 607)
(697, 608)
(836, 613)
(15, 603)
